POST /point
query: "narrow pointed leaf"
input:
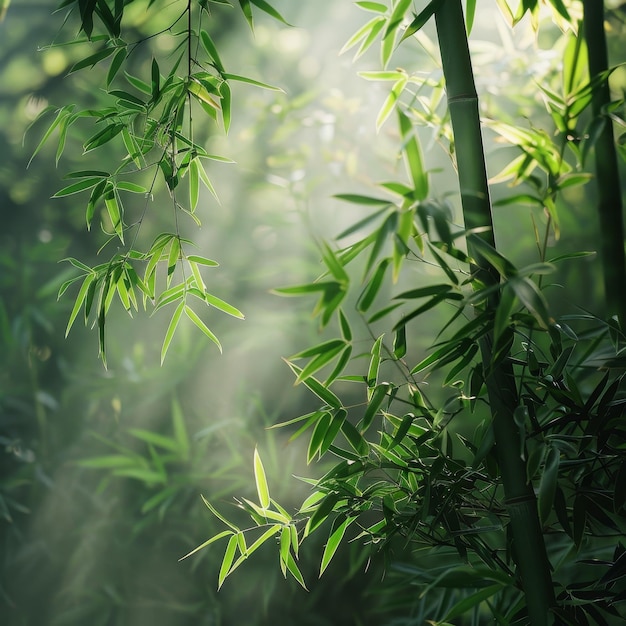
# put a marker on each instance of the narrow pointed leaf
(193, 316)
(171, 329)
(261, 481)
(334, 539)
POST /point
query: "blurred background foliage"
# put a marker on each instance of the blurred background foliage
(101, 471)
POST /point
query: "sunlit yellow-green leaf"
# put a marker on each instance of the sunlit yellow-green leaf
(261, 480)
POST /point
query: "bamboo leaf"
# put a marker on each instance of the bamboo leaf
(294, 571)
(115, 214)
(372, 372)
(130, 187)
(202, 260)
(373, 286)
(261, 481)
(530, 296)
(397, 16)
(223, 306)
(116, 64)
(194, 188)
(359, 199)
(548, 483)
(413, 157)
(227, 561)
(82, 185)
(80, 298)
(377, 397)
(376, 7)
(285, 544)
(468, 603)
(224, 533)
(270, 532)
(61, 114)
(218, 514)
(421, 18)
(270, 10)
(192, 315)
(319, 434)
(251, 81)
(171, 329)
(324, 394)
(211, 50)
(334, 539)
(92, 59)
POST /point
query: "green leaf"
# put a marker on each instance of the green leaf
(377, 397)
(334, 539)
(251, 81)
(62, 113)
(194, 186)
(421, 19)
(171, 329)
(192, 315)
(270, 10)
(205, 179)
(366, 299)
(218, 514)
(223, 306)
(270, 532)
(324, 394)
(530, 296)
(108, 461)
(115, 214)
(82, 185)
(92, 59)
(399, 343)
(227, 561)
(82, 293)
(294, 571)
(226, 99)
(211, 50)
(548, 483)
(504, 267)
(224, 533)
(468, 603)
(116, 64)
(413, 157)
(180, 429)
(364, 32)
(390, 101)
(285, 544)
(87, 174)
(103, 136)
(201, 260)
(372, 372)
(151, 437)
(397, 15)
(130, 187)
(319, 434)
(359, 199)
(376, 7)
(261, 481)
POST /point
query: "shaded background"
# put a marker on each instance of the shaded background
(86, 541)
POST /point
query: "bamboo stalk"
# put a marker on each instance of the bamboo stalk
(607, 173)
(529, 546)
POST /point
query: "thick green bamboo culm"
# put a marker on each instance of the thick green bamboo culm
(607, 173)
(528, 542)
